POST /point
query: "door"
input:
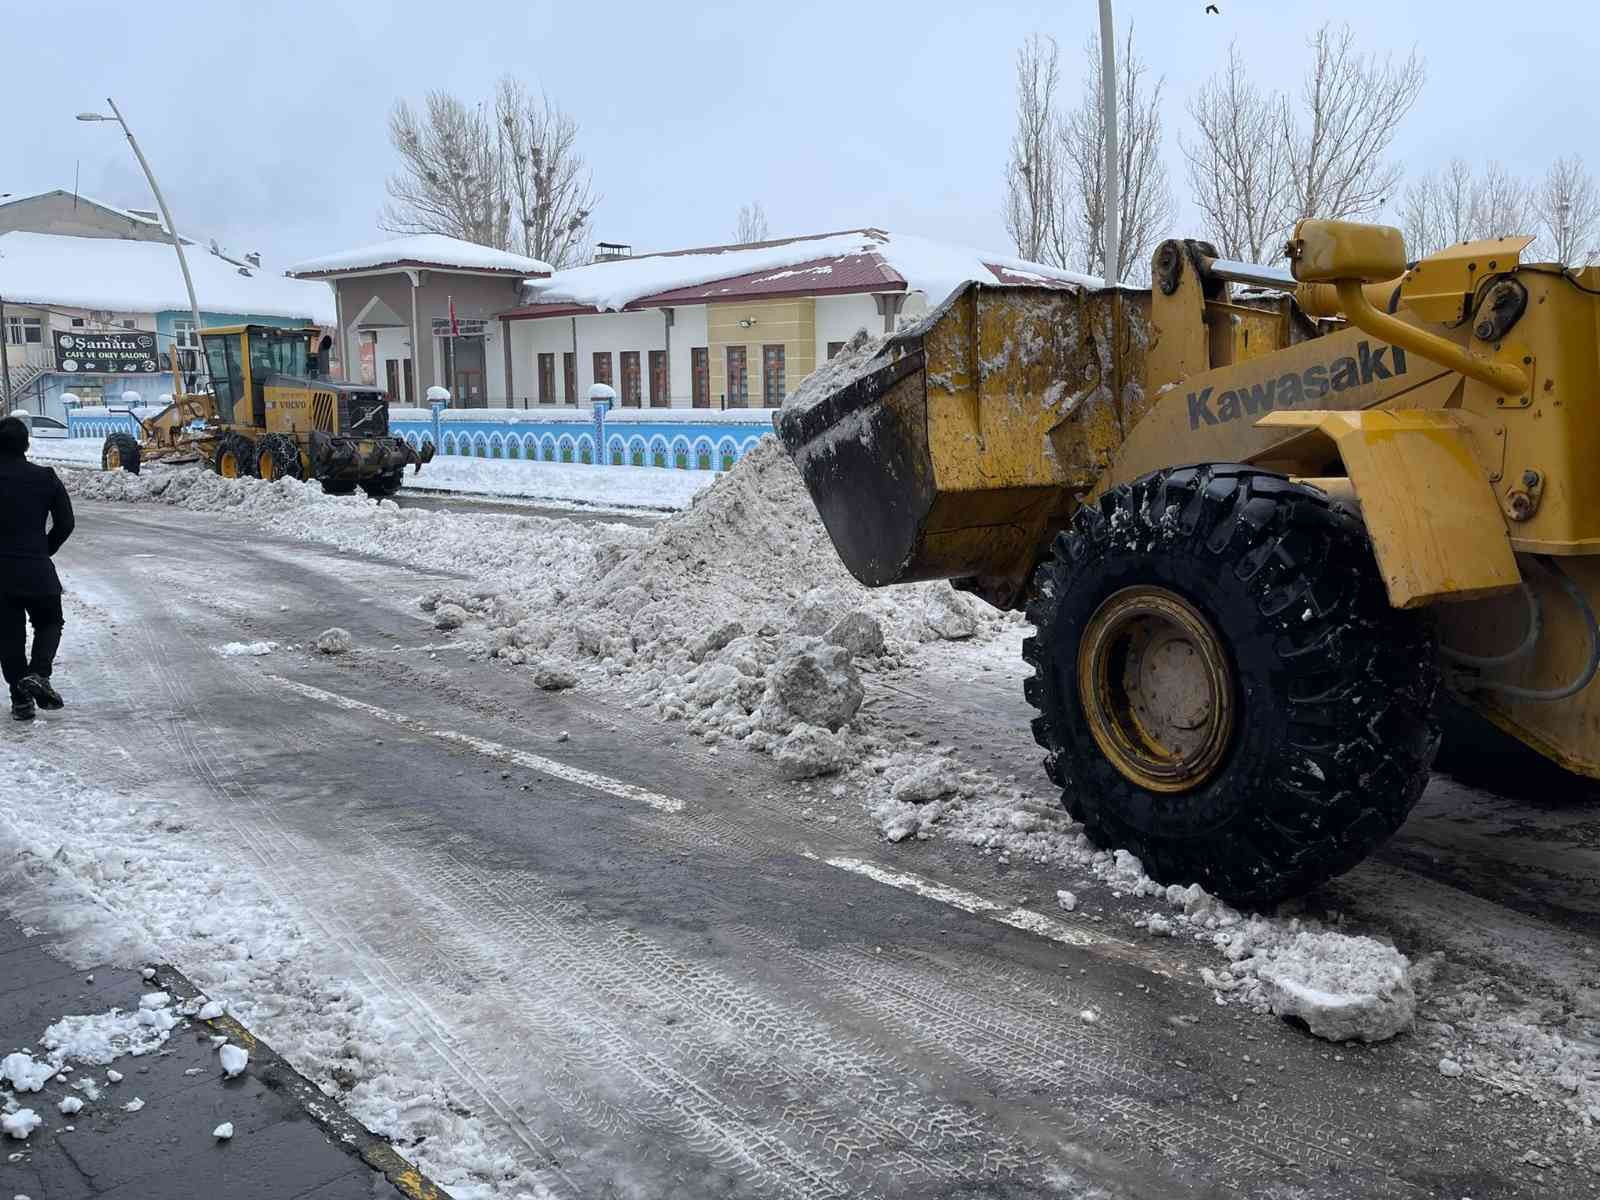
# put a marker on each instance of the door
(410, 383)
(391, 370)
(468, 359)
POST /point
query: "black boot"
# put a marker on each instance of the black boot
(39, 688)
(21, 705)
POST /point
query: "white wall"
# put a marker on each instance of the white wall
(613, 332)
(838, 318)
(688, 331)
(529, 339)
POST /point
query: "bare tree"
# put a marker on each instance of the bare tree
(1352, 105)
(1035, 191)
(752, 225)
(1238, 164)
(1445, 207)
(1567, 205)
(1145, 207)
(510, 177)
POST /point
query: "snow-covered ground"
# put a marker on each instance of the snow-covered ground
(651, 488)
(734, 623)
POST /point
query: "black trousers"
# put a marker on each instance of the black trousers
(45, 613)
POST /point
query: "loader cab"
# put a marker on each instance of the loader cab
(241, 358)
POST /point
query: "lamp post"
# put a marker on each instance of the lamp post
(161, 202)
(1108, 99)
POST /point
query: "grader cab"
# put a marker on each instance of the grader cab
(270, 412)
(1258, 536)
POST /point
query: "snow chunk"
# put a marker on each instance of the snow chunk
(247, 649)
(334, 641)
(552, 676)
(20, 1123)
(114, 1076)
(70, 1105)
(25, 1074)
(449, 616)
(949, 615)
(211, 1010)
(813, 684)
(819, 609)
(809, 751)
(858, 632)
(133, 1105)
(1066, 901)
(1450, 1068)
(223, 1132)
(1344, 988)
(152, 1000)
(931, 779)
(234, 1059)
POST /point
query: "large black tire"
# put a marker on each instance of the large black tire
(384, 485)
(278, 457)
(121, 452)
(1332, 690)
(234, 456)
(338, 487)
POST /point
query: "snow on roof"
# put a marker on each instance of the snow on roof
(422, 249)
(143, 277)
(933, 268)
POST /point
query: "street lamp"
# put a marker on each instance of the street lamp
(166, 214)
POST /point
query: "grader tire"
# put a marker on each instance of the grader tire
(338, 487)
(1222, 686)
(278, 457)
(384, 485)
(121, 452)
(234, 457)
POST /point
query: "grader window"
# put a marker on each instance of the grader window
(278, 354)
(227, 372)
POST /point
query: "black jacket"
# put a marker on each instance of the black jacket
(28, 494)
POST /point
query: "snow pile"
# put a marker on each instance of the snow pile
(23, 1073)
(334, 641)
(246, 649)
(735, 617)
(104, 1037)
(541, 557)
(437, 249)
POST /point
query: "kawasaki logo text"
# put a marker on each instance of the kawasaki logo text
(1291, 389)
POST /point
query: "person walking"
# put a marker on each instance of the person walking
(30, 589)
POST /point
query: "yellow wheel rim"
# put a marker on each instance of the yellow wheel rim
(228, 465)
(1157, 689)
(113, 458)
(266, 466)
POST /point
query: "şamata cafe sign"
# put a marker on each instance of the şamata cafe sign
(127, 351)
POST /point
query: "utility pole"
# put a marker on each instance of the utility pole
(1110, 198)
(5, 358)
(161, 202)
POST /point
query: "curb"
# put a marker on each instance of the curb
(342, 1129)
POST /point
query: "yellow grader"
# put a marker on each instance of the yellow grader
(1261, 536)
(270, 413)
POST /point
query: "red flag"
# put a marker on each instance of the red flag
(455, 326)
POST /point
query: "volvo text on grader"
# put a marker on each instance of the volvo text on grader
(270, 413)
(1260, 537)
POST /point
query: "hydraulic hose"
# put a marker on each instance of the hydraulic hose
(1540, 695)
(1529, 641)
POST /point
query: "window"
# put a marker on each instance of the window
(569, 375)
(630, 379)
(188, 346)
(227, 374)
(738, 393)
(547, 379)
(834, 348)
(700, 376)
(77, 322)
(602, 366)
(659, 397)
(24, 331)
(772, 376)
(127, 325)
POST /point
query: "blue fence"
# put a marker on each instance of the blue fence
(686, 439)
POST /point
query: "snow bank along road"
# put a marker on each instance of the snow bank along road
(554, 947)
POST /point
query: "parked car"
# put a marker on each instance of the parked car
(40, 426)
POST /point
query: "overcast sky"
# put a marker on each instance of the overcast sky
(266, 123)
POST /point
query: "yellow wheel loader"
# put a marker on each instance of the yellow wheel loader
(270, 413)
(1260, 534)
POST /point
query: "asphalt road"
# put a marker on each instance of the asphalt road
(651, 969)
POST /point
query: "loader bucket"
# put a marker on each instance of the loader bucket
(956, 449)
